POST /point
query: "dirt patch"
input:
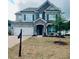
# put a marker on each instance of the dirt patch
(61, 43)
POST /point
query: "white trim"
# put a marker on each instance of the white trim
(40, 20)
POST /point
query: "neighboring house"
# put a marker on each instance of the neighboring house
(36, 21)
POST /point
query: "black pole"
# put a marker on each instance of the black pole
(20, 44)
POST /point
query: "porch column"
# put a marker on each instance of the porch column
(47, 17)
(35, 30)
(44, 30)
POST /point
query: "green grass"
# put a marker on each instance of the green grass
(41, 48)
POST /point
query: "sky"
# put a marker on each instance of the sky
(17, 5)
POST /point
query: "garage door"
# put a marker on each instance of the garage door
(25, 31)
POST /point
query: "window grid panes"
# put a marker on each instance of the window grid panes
(52, 17)
(40, 15)
(29, 17)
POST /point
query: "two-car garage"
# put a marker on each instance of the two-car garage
(25, 30)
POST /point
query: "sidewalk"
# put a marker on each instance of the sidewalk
(13, 40)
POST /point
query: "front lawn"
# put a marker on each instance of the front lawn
(41, 48)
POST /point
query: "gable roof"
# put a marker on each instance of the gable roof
(45, 6)
(53, 7)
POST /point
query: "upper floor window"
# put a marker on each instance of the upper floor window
(40, 15)
(47, 16)
(52, 17)
(28, 17)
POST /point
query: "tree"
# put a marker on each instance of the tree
(9, 27)
(67, 25)
(9, 23)
(59, 24)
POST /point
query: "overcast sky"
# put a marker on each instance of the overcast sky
(17, 5)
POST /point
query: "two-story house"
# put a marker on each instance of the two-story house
(36, 21)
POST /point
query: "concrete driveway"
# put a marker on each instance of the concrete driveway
(13, 40)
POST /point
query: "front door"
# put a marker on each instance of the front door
(39, 29)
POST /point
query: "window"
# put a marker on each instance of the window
(40, 15)
(47, 16)
(50, 29)
(52, 17)
(29, 17)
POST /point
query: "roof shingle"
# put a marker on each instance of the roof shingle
(30, 9)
